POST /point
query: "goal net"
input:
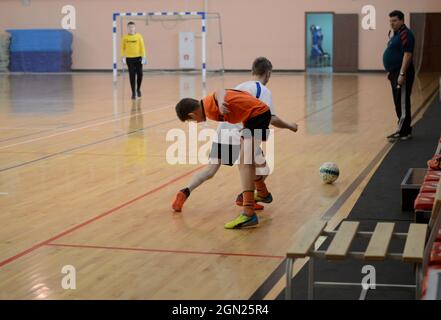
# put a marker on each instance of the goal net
(174, 41)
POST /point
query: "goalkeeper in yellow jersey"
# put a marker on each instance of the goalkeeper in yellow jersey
(133, 54)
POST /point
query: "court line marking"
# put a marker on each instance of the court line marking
(4, 193)
(45, 128)
(98, 217)
(51, 155)
(25, 252)
(330, 213)
(80, 128)
(60, 235)
(22, 152)
(89, 153)
(61, 127)
(270, 282)
(87, 222)
(117, 136)
(278, 273)
(47, 242)
(25, 135)
(252, 255)
(81, 122)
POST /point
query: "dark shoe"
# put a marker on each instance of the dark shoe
(393, 137)
(267, 199)
(139, 94)
(406, 137)
(133, 96)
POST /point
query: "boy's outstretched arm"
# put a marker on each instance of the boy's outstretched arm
(279, 123)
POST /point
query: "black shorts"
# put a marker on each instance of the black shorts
(257, 126)
(226, 154)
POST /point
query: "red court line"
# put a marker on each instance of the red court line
(166, 251)
(85, 223)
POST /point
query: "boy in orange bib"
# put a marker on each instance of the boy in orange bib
(235, 106)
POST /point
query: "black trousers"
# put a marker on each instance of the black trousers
(135, 71)
(404, 110)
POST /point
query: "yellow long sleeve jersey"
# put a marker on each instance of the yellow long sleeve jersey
(132, 46)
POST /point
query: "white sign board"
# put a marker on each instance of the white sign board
(186, 50)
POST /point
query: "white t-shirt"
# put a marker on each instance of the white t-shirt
(228, 133)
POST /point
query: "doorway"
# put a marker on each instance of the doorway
(319, 41)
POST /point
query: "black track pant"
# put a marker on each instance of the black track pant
(135, 71)
(403, 110)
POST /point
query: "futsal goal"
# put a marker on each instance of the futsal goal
(165, 35)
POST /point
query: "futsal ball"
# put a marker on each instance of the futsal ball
(329, 172)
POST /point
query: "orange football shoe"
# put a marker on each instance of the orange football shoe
(178, 203)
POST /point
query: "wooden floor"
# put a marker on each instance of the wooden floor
(84, 182)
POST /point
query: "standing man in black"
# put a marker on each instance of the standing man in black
(398, 62)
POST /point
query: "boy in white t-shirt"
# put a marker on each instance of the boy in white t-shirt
(226, 145)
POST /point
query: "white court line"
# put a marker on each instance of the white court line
(77, 129)
(30, 128)
(4, 193)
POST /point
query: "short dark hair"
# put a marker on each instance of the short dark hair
(186, 106)
(397, 13)
(261, 66)
(130, 23)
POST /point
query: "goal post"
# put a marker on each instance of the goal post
(195, 14)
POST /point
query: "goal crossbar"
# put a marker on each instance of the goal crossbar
(202, 15)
